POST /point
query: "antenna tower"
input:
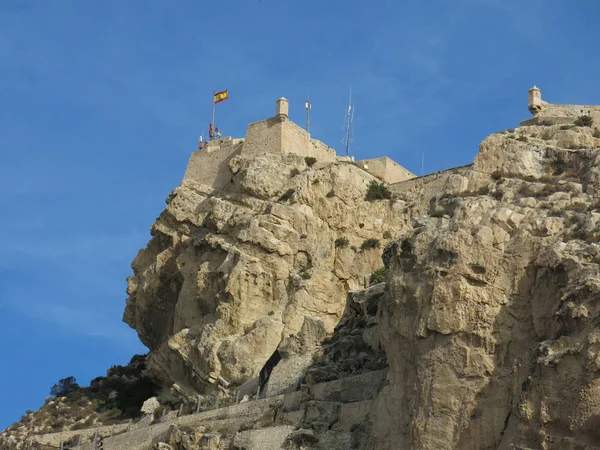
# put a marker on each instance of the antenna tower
(349, 139)
(308, 108)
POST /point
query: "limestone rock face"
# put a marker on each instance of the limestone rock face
(227, 276)
(491, 311)
(150, 405)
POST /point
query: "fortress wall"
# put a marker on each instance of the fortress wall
(278, 135)
(386, 169)
(263, 137)
(297, 141)
(325, 150)
(423, 189)
(549, 110)
(210, 166)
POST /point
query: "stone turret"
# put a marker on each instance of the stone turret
(534, 100)
(282, 110)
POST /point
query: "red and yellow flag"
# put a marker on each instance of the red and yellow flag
(221, 96)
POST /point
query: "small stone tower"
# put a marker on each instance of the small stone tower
(534, 100)
(282, 109)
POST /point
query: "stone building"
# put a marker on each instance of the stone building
(276, 135)
(548, 114)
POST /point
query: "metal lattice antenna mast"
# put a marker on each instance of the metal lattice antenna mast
(308, 108)
(349, 120)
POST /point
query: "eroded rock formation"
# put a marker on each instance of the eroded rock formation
(229, 275)
(490, 320)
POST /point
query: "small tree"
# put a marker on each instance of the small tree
(377, 191)
(584, 121)
(310, 160)
(64, 387)
(369, 244)
(378, 276)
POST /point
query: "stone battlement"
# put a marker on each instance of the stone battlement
(275, 135)
(549, 114)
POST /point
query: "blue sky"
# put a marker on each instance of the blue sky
(102, 102)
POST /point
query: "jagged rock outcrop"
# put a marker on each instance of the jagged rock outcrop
(490, 319)
(229, 275)
(485, 335)
(354, 347)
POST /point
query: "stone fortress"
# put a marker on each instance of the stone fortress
(466, 323)
(548, 114)
(278, 135)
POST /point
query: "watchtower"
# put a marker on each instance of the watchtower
(534, 99)
(282, 108)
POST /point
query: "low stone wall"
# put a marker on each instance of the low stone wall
(358, 389)
(418, 191)
(386, 169)
(545, 120)
(210, 166)
(550, 110)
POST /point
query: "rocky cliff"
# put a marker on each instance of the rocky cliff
(490, 318)
(484, 335)
(229, 275)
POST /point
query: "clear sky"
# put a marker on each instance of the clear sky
(101, 103)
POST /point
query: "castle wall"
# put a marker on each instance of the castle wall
(263, 137)
(280, 135)
(454, 181)
(210, 166)
(386, 169)
(297, 140)
(550, 110)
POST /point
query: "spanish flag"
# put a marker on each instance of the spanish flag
(221, 96)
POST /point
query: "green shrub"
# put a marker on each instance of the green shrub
(377, 191)
(286, 195)
(369, 244)
(330, 194)
(378, 276)
(522, 138)
(584, 121)
(596, 133)
(309, 160)
(566, 127)
(342, 242)
(64, 387)
(496, 174)
(294, 172)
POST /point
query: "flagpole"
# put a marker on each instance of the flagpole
(213, 111)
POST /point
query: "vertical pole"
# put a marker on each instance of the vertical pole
(129, 426)
(112, 430)
(258, 392)
(213, 112)
(198, 405)
(349, 123)
(95, 441)
(237, 397)
(78, 441)
(308, 107)
(180, 411)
